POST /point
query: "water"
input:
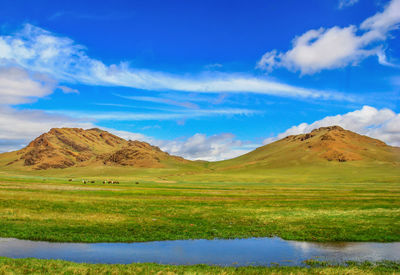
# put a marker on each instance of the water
(236, 252)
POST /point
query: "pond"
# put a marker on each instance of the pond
(234, 252)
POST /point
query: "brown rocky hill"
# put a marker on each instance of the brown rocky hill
(66, 147)
(324, 145)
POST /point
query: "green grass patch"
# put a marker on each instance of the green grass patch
(34, 266)
(36, 207)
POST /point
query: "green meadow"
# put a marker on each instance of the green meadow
(312, 203)
(35, 266)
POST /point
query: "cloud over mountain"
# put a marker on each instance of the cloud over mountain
(383, 124)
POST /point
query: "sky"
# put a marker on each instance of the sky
(206, 80)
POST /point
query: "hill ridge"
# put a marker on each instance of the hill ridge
(66, 147)
(321, 145)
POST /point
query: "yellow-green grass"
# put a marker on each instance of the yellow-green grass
(318, 203)
(35, 266)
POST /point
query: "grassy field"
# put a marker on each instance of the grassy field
(320, 205)
(35, 266)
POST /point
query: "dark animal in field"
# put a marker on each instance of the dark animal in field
(92, 181)
(137, 182)
(84, 181)
(70, 180)
(110, 182)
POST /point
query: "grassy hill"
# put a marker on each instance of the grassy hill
(326, 145)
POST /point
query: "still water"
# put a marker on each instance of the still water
(236, 252)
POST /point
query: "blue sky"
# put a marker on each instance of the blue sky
(202, 79)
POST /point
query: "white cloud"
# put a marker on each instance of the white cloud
(336, 47)
(384, 21)
(383, 124)
(346, 3)
(269, 61)
(185, 104)
(18, 127)
(129, 135)
(18, 86)
(171, 115)
(39, 50)
(68, 90)
(202, 147)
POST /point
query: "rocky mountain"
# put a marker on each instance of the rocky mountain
(66, 147)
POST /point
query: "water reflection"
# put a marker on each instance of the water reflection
(358, 251)
(238, 252)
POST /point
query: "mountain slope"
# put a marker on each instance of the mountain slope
(66, 147)
(326, 145)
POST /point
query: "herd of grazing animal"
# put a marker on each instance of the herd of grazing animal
(87, 181)
(104, 182)
(110, 182)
